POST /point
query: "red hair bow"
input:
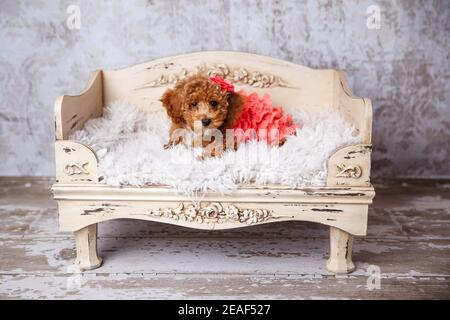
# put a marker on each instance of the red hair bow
(224, 85)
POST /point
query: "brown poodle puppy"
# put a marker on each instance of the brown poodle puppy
(199, 101)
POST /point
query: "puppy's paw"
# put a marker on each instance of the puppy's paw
(172, 143)
(206, 154)
(168, 145)
(281, 142)
(200, 157)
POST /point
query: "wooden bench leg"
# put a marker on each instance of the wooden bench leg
(86, 243)
(340, 260)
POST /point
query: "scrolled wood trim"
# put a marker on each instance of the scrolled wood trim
(76, 163)
(350, 167)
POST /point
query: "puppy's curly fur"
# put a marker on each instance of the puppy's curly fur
(197, 99)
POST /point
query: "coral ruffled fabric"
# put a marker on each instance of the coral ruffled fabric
(224, 85)
(260, 116)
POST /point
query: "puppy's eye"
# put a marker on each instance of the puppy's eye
(194, 104)
(214, 104)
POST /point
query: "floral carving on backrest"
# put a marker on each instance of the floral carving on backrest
(236, 75)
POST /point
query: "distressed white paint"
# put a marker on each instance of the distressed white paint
(84, 201)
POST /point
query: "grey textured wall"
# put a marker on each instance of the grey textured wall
(404, 66)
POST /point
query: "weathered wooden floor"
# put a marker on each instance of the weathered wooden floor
(409, 241)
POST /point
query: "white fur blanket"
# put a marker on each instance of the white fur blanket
(129, 143)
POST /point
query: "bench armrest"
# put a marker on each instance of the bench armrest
(72, 112)
(355, 110)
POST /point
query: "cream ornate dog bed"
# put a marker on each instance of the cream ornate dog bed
(84, 199)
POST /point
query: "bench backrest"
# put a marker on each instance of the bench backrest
(289, 84)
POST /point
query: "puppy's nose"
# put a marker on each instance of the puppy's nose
(206, 122)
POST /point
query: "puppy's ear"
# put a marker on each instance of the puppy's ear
(172, 102)
(235, 105)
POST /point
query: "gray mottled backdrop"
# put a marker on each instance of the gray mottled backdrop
(403, 67)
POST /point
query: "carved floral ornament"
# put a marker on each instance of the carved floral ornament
(349, 171)
(76, 168)
(213, 213)
(236, 75)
